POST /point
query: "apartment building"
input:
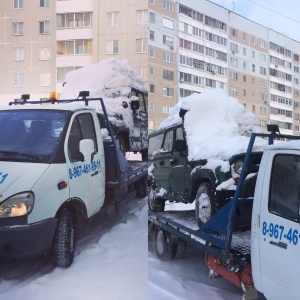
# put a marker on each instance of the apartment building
(41, 41)
(179, 47)
(216, 48)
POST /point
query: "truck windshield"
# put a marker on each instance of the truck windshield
(30, 135)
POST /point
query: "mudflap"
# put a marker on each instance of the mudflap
(240, 276)
(113, 197)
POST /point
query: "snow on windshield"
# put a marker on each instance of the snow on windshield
(217, 126)
(109, 79)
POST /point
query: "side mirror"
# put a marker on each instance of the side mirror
(179, 145)
(134, 105)
(86, 147)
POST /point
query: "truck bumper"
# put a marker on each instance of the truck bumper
(23, 241)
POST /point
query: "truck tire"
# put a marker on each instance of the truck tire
(156, 204)
(165, 250)
(206, 204)
(181, 248)
(64, 240)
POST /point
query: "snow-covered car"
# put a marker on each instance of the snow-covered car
(192, 158)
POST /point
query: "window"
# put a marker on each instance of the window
(245, 65)
(44, 53)
(234, 90)
(296, 116)
(166, 109)
(151, 52)
(234, 32)
(168, 23)
(168, 57)
(234, 61)
(245, 93)
(151, 2)
(263, 123)
(152, 88)
(74, 47)
(19, 79)
(296, 80)
(296, 69)
(253, 80)
(253, 67)
(253, 40)
(296, 93)
(263, 84)
(297, 128)
(155, 143)
(151, 71)
(112, 47)
(296, 104)
(82, 128)
(285, 186)
(44, 27)
(73, 20)
(262, 44)
(151, 35)
(113, 18)
(262, 71)
(234, 48)
(244, 78)
(142, 16)
(296, 57)
(152, 17)
(45, 79)
(233, 76)
(45, 3)
(253, 108)
(18, 54)
(151, 106)
(244, 51)
(63, 71)
(244, 36)
(18, 4)
(168, 141)
(168, 5)
(168, 92)
(141, 45)
(169, 75)
(168, 40)
(262, 57)
(17, 28)
(263, 110)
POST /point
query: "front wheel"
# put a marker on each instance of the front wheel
(205, 204)
(64, 240)
(154, 203)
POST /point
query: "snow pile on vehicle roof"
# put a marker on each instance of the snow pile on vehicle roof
(109, 79)
(216, 126)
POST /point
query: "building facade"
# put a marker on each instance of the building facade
(179, 47)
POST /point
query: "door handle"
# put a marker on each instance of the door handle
(162, 163)
(96, 173)
(174, 161)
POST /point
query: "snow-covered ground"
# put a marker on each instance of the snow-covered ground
(110, 263)
(185, 278)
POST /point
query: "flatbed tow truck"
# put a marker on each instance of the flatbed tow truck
(249, 256)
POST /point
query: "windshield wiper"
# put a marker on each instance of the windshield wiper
(20, 154)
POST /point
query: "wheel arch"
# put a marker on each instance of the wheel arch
(79, 212)
(198, 177)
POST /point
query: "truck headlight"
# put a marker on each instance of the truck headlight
(238, 165)
(17, 205)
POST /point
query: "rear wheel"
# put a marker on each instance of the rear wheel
(206, 203)
(154, 203)
(181, 248)
(141, 188)
(164, 248)
(64, 240)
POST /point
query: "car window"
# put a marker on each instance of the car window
(179, 133)
(168, 142)
(155, 143)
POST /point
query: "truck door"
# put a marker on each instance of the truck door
(160, 157)
(178, 162)
(86, 178)
(279, 247)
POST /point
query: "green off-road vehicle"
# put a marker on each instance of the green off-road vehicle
(173, 177)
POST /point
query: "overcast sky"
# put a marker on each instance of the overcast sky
(280, 15)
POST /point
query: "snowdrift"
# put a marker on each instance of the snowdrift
(216, 126)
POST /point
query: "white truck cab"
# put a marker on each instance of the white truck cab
(275, 234)
(52, 178)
